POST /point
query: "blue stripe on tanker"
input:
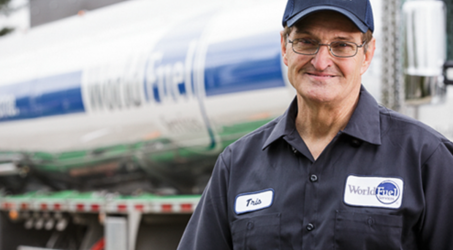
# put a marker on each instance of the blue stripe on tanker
(243, 65)
(54, 95)
(235, 66)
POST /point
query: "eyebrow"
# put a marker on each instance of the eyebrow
(341, 38)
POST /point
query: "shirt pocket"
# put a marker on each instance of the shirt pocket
(256, 233)
(367, 231)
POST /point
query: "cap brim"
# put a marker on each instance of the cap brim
(362, 27)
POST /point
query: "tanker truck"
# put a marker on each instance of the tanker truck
(111, 120)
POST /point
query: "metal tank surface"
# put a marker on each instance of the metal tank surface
(425, 51)
(140, 95)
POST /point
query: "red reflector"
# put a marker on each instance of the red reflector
(139, 207)
(24, 206)
(80, 207)
(57, 206)
(95, 207)
(122, 207)
(44, 206)
(7, 205)
(99, 245)
(167, 207)
(186, 207)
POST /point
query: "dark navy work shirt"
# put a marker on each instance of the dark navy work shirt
(383, 183)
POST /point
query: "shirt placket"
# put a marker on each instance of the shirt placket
(311, 212)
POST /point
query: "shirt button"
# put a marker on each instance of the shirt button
(313, 178)
(295, 150)
(310, 227)
(250, 225)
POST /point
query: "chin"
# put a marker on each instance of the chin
(321, 94)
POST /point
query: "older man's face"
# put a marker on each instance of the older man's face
(323, 78)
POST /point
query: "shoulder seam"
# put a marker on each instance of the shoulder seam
(431, 154)
(409, 120)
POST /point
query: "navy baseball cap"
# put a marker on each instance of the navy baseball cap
(358, 11)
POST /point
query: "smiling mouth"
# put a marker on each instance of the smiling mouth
(320, 75)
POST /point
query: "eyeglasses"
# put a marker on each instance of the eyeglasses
(337, 48)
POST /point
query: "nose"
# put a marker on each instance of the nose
(323, 59)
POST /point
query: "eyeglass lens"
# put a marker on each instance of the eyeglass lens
(342, 49)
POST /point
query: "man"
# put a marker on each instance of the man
(336, 171)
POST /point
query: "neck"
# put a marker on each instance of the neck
(318, 124)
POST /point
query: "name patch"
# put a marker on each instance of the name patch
(373, 191)
(253, 201)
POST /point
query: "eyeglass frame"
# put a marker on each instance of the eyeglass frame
(328, 45)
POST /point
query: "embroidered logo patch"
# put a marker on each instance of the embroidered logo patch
(253, 201)
(373, 191)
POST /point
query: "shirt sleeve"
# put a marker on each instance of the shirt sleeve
(208, 227)
(437, 222)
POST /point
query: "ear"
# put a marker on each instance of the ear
(368, 56)
(283, 45)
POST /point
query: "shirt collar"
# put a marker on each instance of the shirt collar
(285, 124)
(364, 123)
